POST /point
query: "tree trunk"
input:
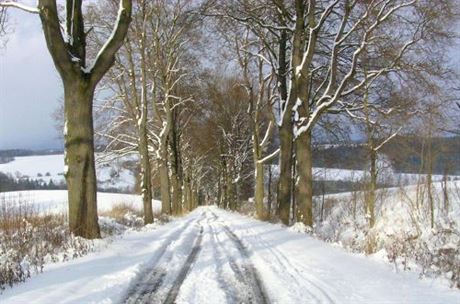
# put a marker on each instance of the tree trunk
(259, 189)
(445, 191)
(79, 159)
(285, 166)
(304, 183)
(429, 182)
(372, 188)
(164, 186)
(146, 186)
(187, 193)
(269, 194)
(176, 167)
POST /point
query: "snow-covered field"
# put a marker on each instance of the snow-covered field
(55, 201)
(234, 259)
(114, 175)
(51, 167)
(387, 176)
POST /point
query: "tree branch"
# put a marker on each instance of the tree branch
(29, 9)
(106, 55)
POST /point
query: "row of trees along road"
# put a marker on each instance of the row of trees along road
(209, 93)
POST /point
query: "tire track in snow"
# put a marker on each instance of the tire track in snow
(220, 253)
(319, 292)
(245, 272)
(174, 291)
(150, 282)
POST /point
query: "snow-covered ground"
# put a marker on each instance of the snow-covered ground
(388, 176)
(213, 256)
(55, 201)
(402, 235)
(114, 175)
(51, 167)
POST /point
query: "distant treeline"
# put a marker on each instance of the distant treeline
(6, 159)
(24, 152)
(406, 154)
(9, 183)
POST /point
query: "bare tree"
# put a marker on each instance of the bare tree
(324, 43)
(128, 130)
(68, 49)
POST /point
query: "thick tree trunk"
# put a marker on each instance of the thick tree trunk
(231, 197)
(146, 186)
(176, 188)
(176, 168)
(79, 159)
(259, 190)
(195, 197)
(164, 186)
(187, 194)
(176, 192)
(285, 134)
(304, 184)
(285, 165)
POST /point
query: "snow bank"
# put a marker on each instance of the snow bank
(402, 234)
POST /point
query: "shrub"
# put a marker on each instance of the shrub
(28, 240)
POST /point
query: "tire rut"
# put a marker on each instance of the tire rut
(246, 271)
(150, 282)
(174, 291)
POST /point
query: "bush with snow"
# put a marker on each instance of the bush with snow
(402, 234)
(29, 239)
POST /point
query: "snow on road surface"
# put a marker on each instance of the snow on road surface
(214, 256)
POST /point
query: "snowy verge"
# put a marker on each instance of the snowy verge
(402, 235)
(99, 277)
(298, 268)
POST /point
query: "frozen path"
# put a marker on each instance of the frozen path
(213, 256)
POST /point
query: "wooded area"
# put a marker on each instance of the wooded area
(223, 100)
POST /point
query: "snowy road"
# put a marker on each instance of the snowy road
(213, 256)
(208, 238)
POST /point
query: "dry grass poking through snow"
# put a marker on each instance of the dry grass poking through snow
(125, 214)
(29, 238)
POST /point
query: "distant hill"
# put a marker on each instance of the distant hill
(25, 152)
(406, 154)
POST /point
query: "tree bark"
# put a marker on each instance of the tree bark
(285, 165)
(164, 186)
(286, 137)
(269, 194)
(79, 159)
(146, 186)
(259, 191)
(176, 176)
(372, 187)
(304, 183)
